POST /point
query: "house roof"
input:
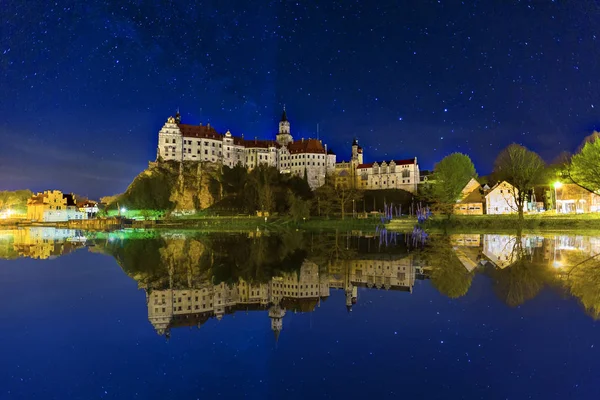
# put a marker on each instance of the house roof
(474, 197)
(396, 162)
(263, 144)
(306, 146)
(199, 131)
(496, 187)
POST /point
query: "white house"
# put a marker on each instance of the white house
(501, 199)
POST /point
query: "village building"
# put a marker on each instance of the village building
(53, 206)
(571, 198)
(471, 201)
(500, 199)
(202, 143)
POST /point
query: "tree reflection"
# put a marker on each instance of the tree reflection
(448, 274)
(523, 278)
(582, 278)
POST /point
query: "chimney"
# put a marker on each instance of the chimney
(208, 125)
(302, 140)
(200, 123)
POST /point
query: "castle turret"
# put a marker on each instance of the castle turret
(357, 153)
(284, 136)
(276, 313)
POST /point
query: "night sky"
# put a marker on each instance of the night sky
(86, 85)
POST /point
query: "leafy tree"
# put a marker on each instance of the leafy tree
(585, 165)
(450, 177)
(521, 168)
(336, 198)
(299, 208)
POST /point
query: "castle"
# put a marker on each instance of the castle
(305, 157)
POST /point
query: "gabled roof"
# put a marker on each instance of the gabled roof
(496, 186)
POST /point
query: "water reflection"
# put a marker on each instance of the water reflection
(191, 277)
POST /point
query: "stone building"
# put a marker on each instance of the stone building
(202, 143)
(395, 174)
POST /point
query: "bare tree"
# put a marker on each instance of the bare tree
(521, 168)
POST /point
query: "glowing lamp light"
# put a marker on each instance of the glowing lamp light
(557, 264)
(557, 185)
(123, 210)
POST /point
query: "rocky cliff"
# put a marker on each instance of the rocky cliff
(174, 186)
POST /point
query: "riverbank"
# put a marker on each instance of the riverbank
(207, 223)
(495, 223)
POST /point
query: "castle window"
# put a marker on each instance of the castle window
(405, 173)
(166, 140)
(174, 141)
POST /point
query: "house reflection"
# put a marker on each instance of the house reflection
(41, 242)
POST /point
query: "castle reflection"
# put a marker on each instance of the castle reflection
(193, 277)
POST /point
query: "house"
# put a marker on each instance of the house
(471, 199)
(501, 199)
(89, 207)
(571, 198)
(53, 206)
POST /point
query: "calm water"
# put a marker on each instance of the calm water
(298, 316)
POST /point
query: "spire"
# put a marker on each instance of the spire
(178, 116)
(355, 141)
(276, 334)
(284, 115)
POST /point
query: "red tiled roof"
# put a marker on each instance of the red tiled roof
(306, 146)
(264, 144)
(199, 131)
(397, 162)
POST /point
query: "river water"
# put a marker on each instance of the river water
(297, 315)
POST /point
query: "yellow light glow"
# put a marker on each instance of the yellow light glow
(557, 264)
(557, 185)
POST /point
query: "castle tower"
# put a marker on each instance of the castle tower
(276, 313)
(357, 153)
(284, 136)
(178, 116)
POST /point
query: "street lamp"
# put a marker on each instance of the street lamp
(557, 185)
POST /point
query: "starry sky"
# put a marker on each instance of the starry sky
(86, 86)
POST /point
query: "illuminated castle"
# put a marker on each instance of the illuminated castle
(183, 142)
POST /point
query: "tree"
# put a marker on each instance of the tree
(521, 168)
(450, 176)
(336, 198)
(585, 165)
(299, 208)
(16, 200)
(523, 279)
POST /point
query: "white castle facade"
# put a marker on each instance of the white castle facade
(182, 142)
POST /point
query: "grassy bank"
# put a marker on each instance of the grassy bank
(491, 223)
